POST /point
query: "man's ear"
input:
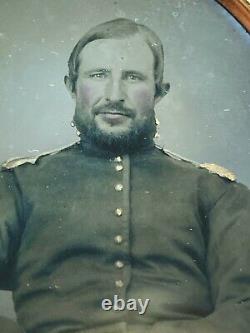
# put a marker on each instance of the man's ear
(162, 91)
(69, 86)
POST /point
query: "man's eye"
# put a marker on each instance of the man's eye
(133, 77)
(98, 75)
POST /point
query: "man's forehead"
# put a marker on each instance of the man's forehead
(128, 53)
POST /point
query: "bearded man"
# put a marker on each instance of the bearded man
(94, 231)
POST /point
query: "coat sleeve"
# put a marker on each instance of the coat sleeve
(228, 267)
(10, 225)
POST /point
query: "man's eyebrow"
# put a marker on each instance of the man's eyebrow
(97, 70)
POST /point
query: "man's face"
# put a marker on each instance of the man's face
(115, 91)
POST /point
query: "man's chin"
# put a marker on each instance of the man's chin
(114, 132)
(112, 139)
(113, 124)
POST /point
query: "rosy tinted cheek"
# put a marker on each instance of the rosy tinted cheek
(87, 93)
(143, 97)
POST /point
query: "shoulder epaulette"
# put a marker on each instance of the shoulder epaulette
(219, 170)
(15, 162)
(211, 167)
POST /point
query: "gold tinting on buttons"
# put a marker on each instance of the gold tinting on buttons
(118, 187)
(119, 283)
(119, 264)
(118, 212)
(118, 239)
(119, 167)
(118, 159)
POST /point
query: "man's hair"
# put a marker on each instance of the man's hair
(121, 28)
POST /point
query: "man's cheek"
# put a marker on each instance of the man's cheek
(87, 94)
(143, 98)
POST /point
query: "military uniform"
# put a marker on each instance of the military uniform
(83, 225)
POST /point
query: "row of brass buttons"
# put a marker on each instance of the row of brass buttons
(118, 212)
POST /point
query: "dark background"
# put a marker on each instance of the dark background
(205, 117)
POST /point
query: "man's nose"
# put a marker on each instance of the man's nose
(115, 91)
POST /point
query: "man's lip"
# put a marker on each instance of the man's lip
(118, 113)
(113, 118)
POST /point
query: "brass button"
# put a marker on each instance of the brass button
(118, 167)
(119, 283)
(118, 239)
(119, 187)
(118, 212)
(118, 159)
(119, 264)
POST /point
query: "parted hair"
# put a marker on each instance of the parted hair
(121, 28)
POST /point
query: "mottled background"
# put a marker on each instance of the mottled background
(205, 117)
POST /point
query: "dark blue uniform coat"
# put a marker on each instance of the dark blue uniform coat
(81, 225)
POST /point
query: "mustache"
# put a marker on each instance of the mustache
(114, 108)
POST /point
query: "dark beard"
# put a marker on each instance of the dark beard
(136, 138)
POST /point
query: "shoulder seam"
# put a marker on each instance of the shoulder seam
(176, 156)
(210, 167)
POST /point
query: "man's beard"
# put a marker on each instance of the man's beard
(139, 135)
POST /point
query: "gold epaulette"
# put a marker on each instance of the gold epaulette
(211, 167)
(15, 162)
(219, 170)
